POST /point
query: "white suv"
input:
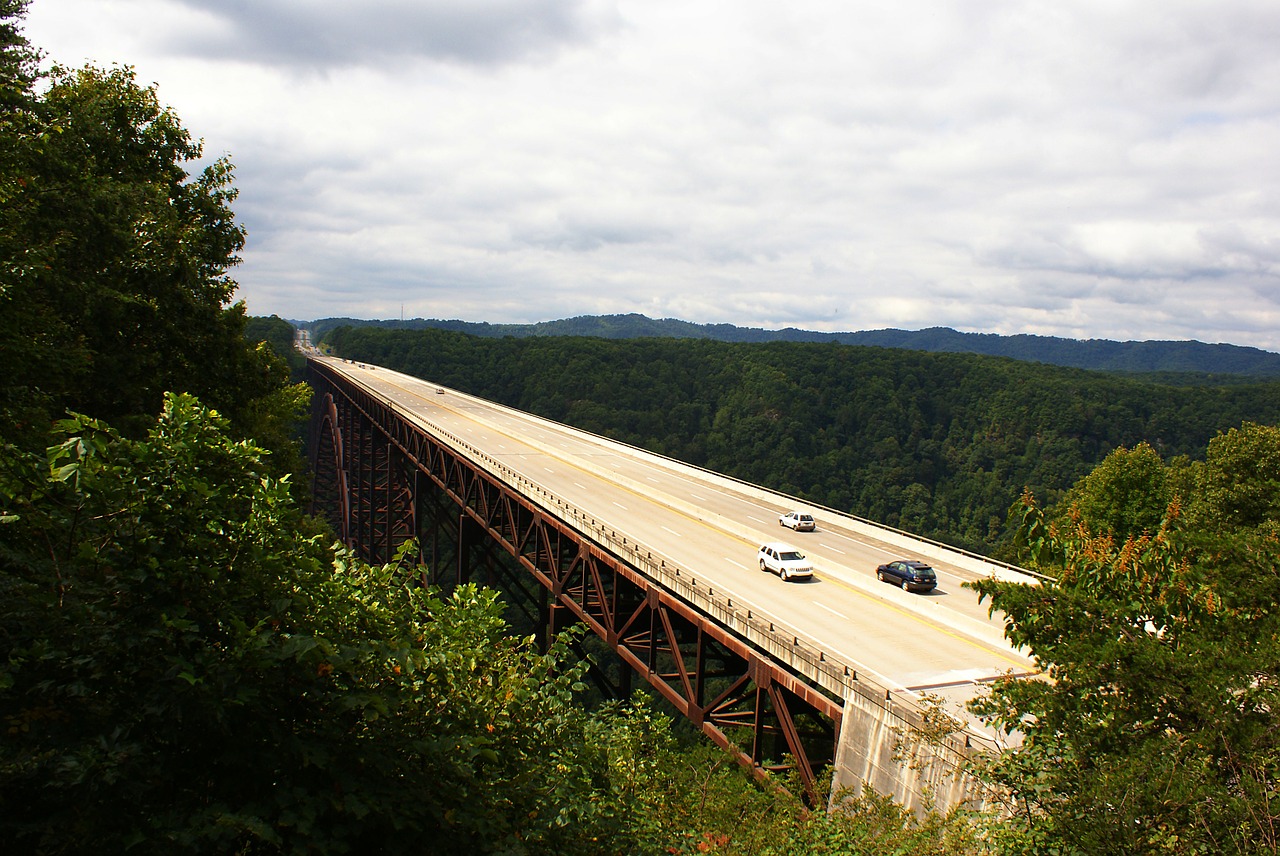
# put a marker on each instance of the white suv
(798, 521)
(785, 561)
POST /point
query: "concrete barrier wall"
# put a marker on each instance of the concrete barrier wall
(880, 745)
(874, 721)
(887, 534)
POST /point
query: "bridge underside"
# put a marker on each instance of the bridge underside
(380, 479)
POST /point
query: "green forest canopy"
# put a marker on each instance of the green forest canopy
(189, 663)
(191, 666)
(1206, 363)
(938, 444)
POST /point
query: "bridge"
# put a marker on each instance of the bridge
(659, 560)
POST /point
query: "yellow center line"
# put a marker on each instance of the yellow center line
(914, 616)
(553, 455)
(927, 621)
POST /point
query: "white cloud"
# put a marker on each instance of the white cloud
(1084, 168)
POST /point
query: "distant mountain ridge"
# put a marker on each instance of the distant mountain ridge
(1181, 357)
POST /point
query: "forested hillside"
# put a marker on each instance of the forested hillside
(1155, 624)
(189, 663)
(1206, 363)
(278, 334)
(938, 444)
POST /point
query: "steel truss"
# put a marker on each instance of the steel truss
(771, 718)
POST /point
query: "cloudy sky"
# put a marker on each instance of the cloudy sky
(1081, 168)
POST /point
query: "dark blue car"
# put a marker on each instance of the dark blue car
(912, 576)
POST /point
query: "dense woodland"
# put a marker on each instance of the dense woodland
(938, 444)
(191, 664)
(1208, 363)
(277, 334)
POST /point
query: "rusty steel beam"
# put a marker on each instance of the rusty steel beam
(770, 717)
(329, 495)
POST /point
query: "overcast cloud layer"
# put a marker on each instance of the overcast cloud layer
(1084, 168)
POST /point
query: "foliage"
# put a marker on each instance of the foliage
(279, 335)
(18, 60)
(1124, 496)
(698, 800)
(1237, 486)
(1154, 729)
(191, 669)
(1175, 362)
(940, 444)
(115, 261)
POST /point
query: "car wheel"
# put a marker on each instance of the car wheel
(880, 576)
(763, 566)
(906, 586)
(785, 574)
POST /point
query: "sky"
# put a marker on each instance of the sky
(1092, 169)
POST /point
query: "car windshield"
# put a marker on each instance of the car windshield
(923, 570)
(806, 518)
(791, 555)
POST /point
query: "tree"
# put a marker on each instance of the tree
(191, 667)
(115, 260)
(1238, 484)
(18, 60)
(17, 127)
(1154, 728)
(1125, 495)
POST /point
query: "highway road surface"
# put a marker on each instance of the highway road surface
(941, 642)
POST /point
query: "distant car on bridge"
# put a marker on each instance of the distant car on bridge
(797, 521)
(912, 576)
(785, 561)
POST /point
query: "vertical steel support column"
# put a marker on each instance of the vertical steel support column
(392, 508)
(329, 495)
(362, 482)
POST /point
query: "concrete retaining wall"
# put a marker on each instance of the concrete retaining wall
(880, 745)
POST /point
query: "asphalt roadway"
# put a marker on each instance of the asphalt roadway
(942, 643)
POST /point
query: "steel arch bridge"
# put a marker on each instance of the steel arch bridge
(381, 478)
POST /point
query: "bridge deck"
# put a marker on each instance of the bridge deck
(942, 643)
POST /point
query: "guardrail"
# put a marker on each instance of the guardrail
(887, 534)
(783, 643)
